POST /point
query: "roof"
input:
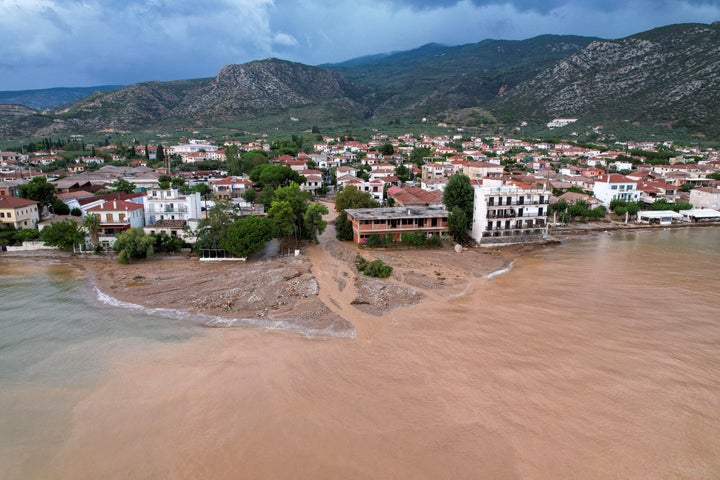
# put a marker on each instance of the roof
(397, 213)
(701, 213)
(16, 202)
(415, 196)
(116, 206)
(658, 214)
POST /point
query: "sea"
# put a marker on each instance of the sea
(595, 358)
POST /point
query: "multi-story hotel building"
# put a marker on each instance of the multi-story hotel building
(509, 214)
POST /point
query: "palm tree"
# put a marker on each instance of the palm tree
(91, 223)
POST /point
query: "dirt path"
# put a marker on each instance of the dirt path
(336, 280)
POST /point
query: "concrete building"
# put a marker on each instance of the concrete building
(170, 204)
(396, 221)
(615, 186)
(18, 213)
(509, 214)
(115, 217)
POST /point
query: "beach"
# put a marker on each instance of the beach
(549, 363)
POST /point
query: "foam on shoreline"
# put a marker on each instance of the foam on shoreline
(500, 271)
(215, 321)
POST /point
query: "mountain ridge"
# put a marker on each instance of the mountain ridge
(660, 77)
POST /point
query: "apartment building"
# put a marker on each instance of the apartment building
(509, 214)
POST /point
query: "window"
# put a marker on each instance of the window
(122, 217)
(614, 187)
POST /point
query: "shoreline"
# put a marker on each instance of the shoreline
(319, 293)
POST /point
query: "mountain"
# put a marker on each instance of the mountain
(669, 76)
(436, 78)
(51, 97)
(665, 78)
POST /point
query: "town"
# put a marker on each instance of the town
(520, 190)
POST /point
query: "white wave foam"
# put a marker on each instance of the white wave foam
(226, 322)
(501, 271)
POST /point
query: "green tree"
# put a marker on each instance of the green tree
(351, 197)
(248, 235)
(134, 243)
(343, 227)
(275, 175)
(91, 223)
(160, 154)
(64, 235)
(387, 149)
(122, 185)
(418, 154)
(459, 193)
(232, 160)
(164, 181)
(60, 208)
(281, 213)
(314, 223)
(40, 190)
(298, 201)
(76, 212)
(214, 227)
(250, 195)
(458, 224)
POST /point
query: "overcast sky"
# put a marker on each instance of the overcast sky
(52, 43)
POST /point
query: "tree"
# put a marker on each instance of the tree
(214, 227)
(134, 243)
(314, 223)
(275, 175)
(281, 213)
(160, 154)
(164, 181)
(343, 227)
(76, 212)
(248, 235)
(60, 208)
(232, 160)
(40, 190)
(64, 235)
(351, 197)
(298, 201)
(91, 223)
(387, 149)
(203, 189)
(459, 193)
(250, 195)
(457, 224)
(122, 185)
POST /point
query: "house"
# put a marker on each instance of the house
(115, 217)
(230, 187)
(18, 213)
(414, 196)
(313, 180)
(514, 213)
(170, 204)
(615, 186)
(397, 220)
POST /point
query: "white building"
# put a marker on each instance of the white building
(115, 217)
(560, 122)
(509, 214)
(169, 204)
(615, 186)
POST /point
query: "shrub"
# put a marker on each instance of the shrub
(376, 268)
(374, 241)
(414, 239)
